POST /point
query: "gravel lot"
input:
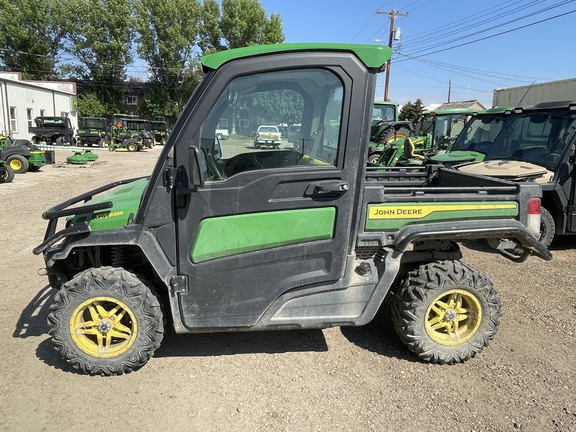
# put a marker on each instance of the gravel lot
(341, 379)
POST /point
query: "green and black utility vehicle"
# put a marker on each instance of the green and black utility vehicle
(223, 237)
(21, 155)
(537, 145)
(386, 128)
(53, 131)
(160, 129)
(472, 144)
(92, 131)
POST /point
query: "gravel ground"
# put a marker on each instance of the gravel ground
(341, 379)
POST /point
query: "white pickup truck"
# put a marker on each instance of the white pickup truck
(267, 135)
(222, 134)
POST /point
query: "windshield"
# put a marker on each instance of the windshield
(158, 125)
(539, 138)
(135, 125)
(383, 113)
(92, 123)
(480, 133)
(443, 128)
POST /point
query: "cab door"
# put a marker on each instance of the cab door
(268, 221)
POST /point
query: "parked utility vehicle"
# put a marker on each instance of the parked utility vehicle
(160, 129)
(92, 131)
(475, 140)
(52, 130)
(224, 237)
(537, 144)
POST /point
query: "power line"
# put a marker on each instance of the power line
(496, 34)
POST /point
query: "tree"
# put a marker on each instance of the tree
(411, 111)
(100, 37)
(244, 23)
(210, 34)
(238, 23)
(90, 106)
(167, 35)
(30, 37)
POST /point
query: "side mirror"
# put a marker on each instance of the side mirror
(198, 167)
(217, 152)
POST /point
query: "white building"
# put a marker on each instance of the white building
(21, 101)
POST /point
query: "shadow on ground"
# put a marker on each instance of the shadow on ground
(32, 321)
(379, 336)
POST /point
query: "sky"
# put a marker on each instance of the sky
(465, 48)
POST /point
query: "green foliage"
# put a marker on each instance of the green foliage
(97, 38)
(90, 106)
(167, 31)
(238, 23)
(30, 37)
(411, 111)
(285, 107)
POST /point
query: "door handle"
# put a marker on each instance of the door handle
(327, 187)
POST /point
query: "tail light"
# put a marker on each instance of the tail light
(534, 210)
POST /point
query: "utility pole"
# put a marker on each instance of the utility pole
(393, 14)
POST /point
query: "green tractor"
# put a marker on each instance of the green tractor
(386, 128)
(21, 155)
(435, 131)
(92, 130)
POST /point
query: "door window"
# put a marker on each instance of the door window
(311, 98)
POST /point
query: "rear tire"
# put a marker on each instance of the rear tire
(106, 321)
(392, 135)
(131, 147)
(446, 312)
(547, 227)
(17, 163)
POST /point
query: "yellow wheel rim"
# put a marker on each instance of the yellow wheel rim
(103, 327)
(453, 317)
(15, 164)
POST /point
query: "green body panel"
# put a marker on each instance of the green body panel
(373, 56)
(230, 235)
(37, 158)
(393, 216)
(125, 199)
(458, 156)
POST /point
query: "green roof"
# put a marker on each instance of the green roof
(373, 56)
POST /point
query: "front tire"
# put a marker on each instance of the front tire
(7, 176)
(106, 321)
(446, 312)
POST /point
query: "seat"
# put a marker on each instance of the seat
(409, 150)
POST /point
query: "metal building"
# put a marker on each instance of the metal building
(21, 101)
(552, 91)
